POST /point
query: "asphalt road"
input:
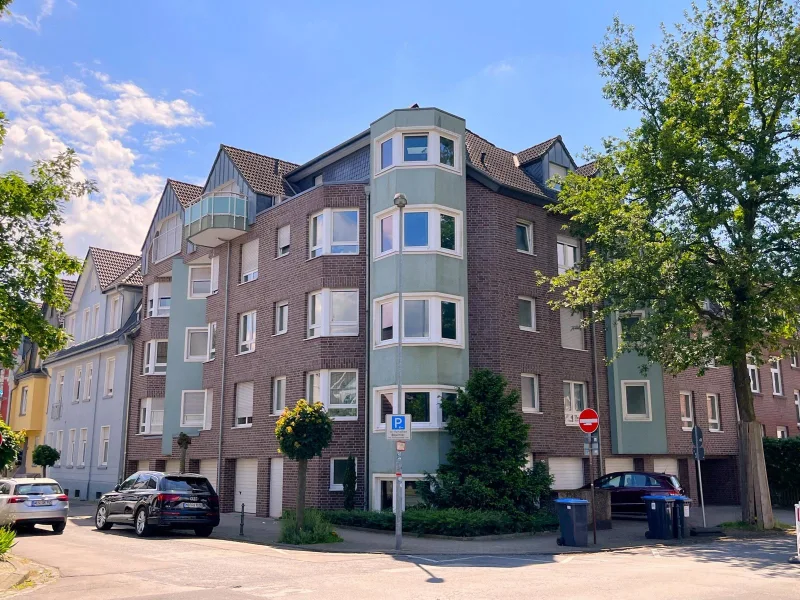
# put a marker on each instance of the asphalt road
(117, 564)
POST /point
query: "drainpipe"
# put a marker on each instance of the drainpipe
(94, 423)
(126, 423)
(367, 395)
(224, 361)
(595, 380)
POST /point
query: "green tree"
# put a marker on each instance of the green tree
(695, 215)
(485, 466)
(349, 483)
(184, 441)
(45, 456)
(11, 446)
(303, 432)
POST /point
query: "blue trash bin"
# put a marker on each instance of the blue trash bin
(573, 519)
(679, 515)
(659, 517)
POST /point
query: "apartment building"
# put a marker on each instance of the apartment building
(89, 379)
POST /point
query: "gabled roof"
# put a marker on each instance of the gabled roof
(264, 174)
(69, 287)
(185, 192)
(110, 264)
(590, 169)
(132, 276)
(536, 152)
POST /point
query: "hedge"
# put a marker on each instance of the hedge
(783, 457)
(450, 521)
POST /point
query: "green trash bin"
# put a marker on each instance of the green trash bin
(679, 515)
(659, 517)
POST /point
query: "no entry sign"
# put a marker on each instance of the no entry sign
(588, 420)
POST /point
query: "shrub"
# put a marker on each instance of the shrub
(7, 541)
(316, 529)
(782, 457)
(349, 483)
(45, 456)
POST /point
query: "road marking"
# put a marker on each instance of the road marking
(566, 560)
(655, 553)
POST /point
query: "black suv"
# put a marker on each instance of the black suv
(149, 499)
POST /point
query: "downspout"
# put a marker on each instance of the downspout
(126, 424)
(595, 380)
(94, 423)
(367, 395)
(224, 361)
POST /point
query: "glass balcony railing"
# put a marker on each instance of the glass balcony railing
(216, 217)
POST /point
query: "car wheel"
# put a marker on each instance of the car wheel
(140, 523)
(101, 518)
(203, 530)
(59, 527)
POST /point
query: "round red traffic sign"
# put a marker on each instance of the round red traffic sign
(588, 420)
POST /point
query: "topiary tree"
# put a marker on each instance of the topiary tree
(303, 432)
(10, 448)
(349, 483)
(485, 466)
(45, 456)
(184, 441)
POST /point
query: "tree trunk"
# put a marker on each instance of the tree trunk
(755, 498)
(302, 469)
(183, 459)
(44, 471)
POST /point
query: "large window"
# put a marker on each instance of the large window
(714, 421)
(777, 377)
(248, 264)
(155, 357)
(166, 239)
(337, 389)
(196, 409)
(423, 403)
(428, 147)
(526, 309)
(159, 297)
(524, 237)
(196, 344)
(278, 395)
(247, 332)
(244, 404)
(426, 228)
(199, 282)
(752, 371)
(333, 231)
(687, 411)
(332, 313)
(427, 319)
(530, 393)
(338, 470)
(415, 148)
(568, 253)
(636, 401)
(415, 230)
(151, 416)
(571, 331)
(574, 401)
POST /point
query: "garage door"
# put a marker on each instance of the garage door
(276, 487)
(614, 464)
(567, 473)
(666, 465)
(246, 486)
(208, 469)
(173, 465)
(143, 465)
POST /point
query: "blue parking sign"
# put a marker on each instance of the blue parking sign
(398, 427)
(398, 422)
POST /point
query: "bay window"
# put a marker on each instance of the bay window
(426, 228)
(155, 357)
(427, 319)
(333, 231)
(422, 402)
(417, 147)
(332, 313)
(151, 416)
(159, 298)
(337, 389)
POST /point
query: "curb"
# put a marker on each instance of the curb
(20, 574)
(433, 536)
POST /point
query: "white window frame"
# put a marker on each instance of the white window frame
(437, 421)
(562, 243)
(563, 311)
(115, 313)
(174, 233)
(111, 364)
(77, 384)
(624, 384)
(397, 135)
(378, 478)
(571, 415)
(105, 446)
(207, 399)
(243, 421)
(85, 326)
(550, 173)
(338, 487)
(714, 425)
(536, 407)
(752, 369)
(434, 212)
(146, 417)
(275, 380)
(687, 423)
(87, 388)
(97, 326)
(60, 387)
(211, 352)
(189, 288)
(251, 275)
(281, 324)
(72, 435)
(69, 327)
(59, 445)
(84, 442)
(247, 337)
(279, 253)
(150, 364)
(782, 432)
(325, 389)
(325, 327)
(776, 376)
(326, 243)
(154, 298)
(23, 401)
(434, 324)
(186, 344)
(620, 316)
(793, 360)
(533, 313)
(528, 234)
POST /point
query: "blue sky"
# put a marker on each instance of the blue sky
(148, 90)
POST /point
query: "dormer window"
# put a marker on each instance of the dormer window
(558, 172)
(166, 239)
(407, 147)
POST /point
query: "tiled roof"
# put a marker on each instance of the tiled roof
(185, 192)
(69, 287)
(590, 169)
(264, 174)
(537, 151)
(110, 264)
(132, 276)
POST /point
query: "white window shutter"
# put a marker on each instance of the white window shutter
(244, 399)
(209, 409)
(250, 257)
(571, 333)
(214, 273)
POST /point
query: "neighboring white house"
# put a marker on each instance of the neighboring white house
(90, 378)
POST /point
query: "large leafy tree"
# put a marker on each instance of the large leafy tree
(695, 214)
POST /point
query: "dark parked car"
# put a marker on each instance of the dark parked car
(627, 489)
(148, 500)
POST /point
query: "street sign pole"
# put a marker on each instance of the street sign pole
(591, 485)
(400, 202)
(398, 508)
(398, 430)
(699, 454)
(589, 422)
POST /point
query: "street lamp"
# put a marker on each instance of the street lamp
(400, 201)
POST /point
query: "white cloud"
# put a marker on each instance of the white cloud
(94, 115)
(190, 92)
(499, 69)
(33, 23)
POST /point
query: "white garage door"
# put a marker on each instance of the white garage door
(246, 487)
(666, 465)
(567, 473)
(276, 487)
(208, 469)
(143, 465)
(614, 464)
(173, 465)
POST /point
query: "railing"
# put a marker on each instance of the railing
(166, 244)
(216, 209)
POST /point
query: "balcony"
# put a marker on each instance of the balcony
(216, 218)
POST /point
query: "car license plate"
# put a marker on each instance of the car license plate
(193, 505)
(41, 503)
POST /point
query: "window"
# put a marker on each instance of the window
(59, 445)
(108, 385)
(530, 393)
(59, 388)
(333, 231)
(87, 315)
(97, 330)
(87, 395)
(568, 254)
(199, 282)
(214, 274)
(284, 240)
(23, 402)
(763, 430)
(793, 360)
(105, 439)
(155, 357)
(337, 390)
(574, 401)
(151, 416)
(636, 401)
(415, 148)
(423, 403)
(166, 239)
(714, 421)
(82, 449)
(524, 237)
(797, 405)
(427, 319)
(687, 411)
(49, 438)
(627, 321)
(115, 314)
(244, 404)
(571, 331)
(196, 344)
(777, 378)
(71, 448)
(247, 332)
(278, 395)
(426, 228)
(415, 230)
(447, 151)
(387, 235)
(559, 173)
(783, 432)
(76, 384)
(447, 232)
(69, 326)
(281, 317)
(196, 409)
(752, 371)
(416, 319)
(212, 341)
(338, 469)
(386, 154)
(248, 261)
(318, 180)
(159, 296)
(332, 313)
(526, 308)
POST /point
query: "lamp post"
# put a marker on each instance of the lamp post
(400, 201)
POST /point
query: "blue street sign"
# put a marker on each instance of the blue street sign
(398, 422)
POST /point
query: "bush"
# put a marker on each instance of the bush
(349, 483)
(450, 521)
(316, 529)
(45, 456)
(782, 457)
(7, 541)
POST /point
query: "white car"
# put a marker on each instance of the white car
(31, 501)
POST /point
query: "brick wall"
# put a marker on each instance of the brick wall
(773, 410)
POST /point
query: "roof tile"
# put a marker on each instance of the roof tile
(535, 152)
(590, 169)
(185, 192)
(110, 264)
(264, 174)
